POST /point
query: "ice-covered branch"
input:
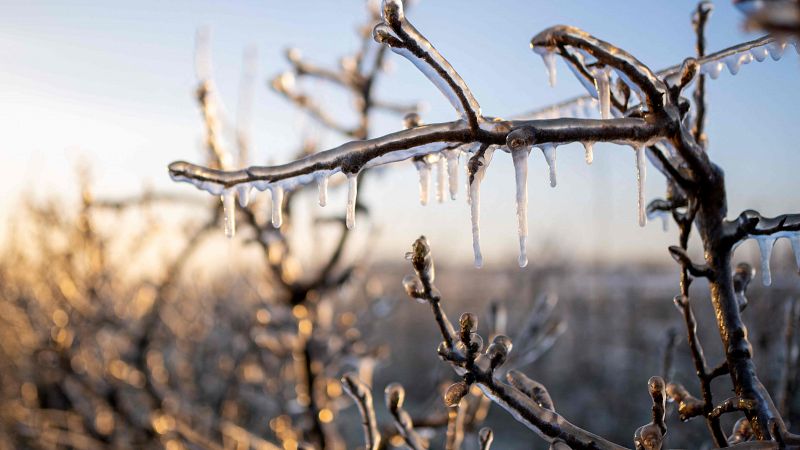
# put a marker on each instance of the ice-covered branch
(603, 55)
(395, 395)
(476, 365)
(651, 436)
(765, 231)
(401, 36)
(485, 438)
(363, 397)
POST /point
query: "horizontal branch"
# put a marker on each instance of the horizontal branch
(353, 156)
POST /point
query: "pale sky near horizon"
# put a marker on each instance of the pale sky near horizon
(114, 84)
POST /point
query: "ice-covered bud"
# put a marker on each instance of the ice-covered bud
(485, 437)
(520, 138)
(651, 436)
(348, 63)
(475, 342)
(497, 354)
(468, 324)
(355, 387)
(656, 387)
(283, 82)
(742, 431)
(742, 276)
(443, 350)
(393, 11)
(414, 287)
(504, 341)
(293, 54)
(689, 70)
(422, 260)
(395, 395)
(382, 34)
(688, 405)
(411, 120)
(532, 388)
(454, 394)
(648, 437)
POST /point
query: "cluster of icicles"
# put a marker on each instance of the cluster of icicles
(243, 192)
(445, 156)
(765, 245)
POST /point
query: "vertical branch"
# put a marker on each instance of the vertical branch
(455, 428)
(699, 21)
(363, 398)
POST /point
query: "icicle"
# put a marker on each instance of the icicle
(228, 198)
(520, 159)
(452, 171)
(243, 190)
(641, 173)
(475, 205)
(776, 49)
(424, 170)
(604, 91)
(549, 152)
(794, 238)
(712, 69)
(549, 59)
(588, 148)
(735, 61)
(277, 205)
(765, 244)
(352, 189)
(322, 186)
(759, 53)
(441, 178)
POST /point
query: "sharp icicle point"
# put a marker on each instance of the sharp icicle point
(352, 191)
(549, 152)
(520, 160)
(588, 148)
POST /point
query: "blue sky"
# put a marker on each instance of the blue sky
(113, 83)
